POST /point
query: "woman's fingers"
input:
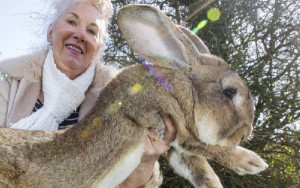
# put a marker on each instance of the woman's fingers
(156, 145)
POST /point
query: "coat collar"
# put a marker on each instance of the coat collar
(26, 66)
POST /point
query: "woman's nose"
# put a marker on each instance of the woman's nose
(80, 34)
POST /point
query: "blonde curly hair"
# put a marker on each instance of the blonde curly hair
(103, 6)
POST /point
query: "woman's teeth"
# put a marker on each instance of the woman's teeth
(75, 48)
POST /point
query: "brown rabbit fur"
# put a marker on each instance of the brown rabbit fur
(209, 104)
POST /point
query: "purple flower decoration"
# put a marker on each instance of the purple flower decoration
(155, 74)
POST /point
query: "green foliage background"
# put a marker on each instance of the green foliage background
(260, 40)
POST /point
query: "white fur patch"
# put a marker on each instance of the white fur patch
(237, 100)
(122, 169)
(207, 130)
(180, 168)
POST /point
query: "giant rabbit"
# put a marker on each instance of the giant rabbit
(210, 105)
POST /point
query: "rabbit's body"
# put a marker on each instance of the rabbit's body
(210, 105)
(81, 155)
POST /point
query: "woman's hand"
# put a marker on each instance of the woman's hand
(154, 147)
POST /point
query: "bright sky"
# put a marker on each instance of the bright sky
(17, 26)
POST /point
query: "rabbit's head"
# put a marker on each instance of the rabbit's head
(223, 107)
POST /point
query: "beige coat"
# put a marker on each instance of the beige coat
(19, 92)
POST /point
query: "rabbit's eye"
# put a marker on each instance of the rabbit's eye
(230, 92)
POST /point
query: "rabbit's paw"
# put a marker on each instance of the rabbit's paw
(248, 162)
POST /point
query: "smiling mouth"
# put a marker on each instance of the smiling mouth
(75, 49)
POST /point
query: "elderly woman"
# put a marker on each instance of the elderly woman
(54, 88)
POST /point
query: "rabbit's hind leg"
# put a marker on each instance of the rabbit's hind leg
(196, 169)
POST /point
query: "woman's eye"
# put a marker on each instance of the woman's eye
(91, 31)
(72, 22)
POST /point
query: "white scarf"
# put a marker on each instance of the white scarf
(61, 97)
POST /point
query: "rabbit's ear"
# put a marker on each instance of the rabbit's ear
(195, 40)
(153, 35)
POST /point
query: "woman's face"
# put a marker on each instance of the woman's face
(75, 38)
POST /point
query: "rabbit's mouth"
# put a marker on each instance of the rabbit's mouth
(240, 134)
